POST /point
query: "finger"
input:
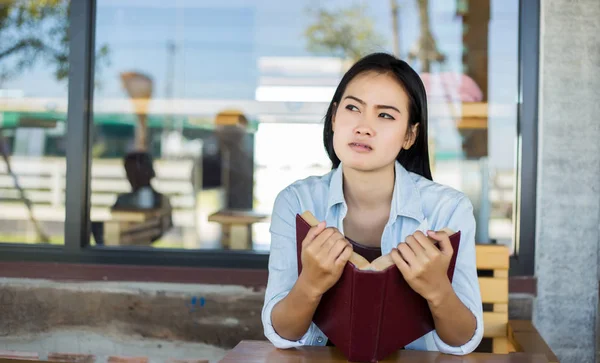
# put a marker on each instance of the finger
(427, 244)
(407, 254)
(337, 249)
(314, 249)
(328, 244)
(344, 256)
(313, 232)
(322, 238)
(332, 240)
(416, 248)
(400, 263)
(444, 242)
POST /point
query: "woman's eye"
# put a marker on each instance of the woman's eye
(352, 108)
(386, 116)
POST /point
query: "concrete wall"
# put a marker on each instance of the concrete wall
(209, 319)
(568, 206)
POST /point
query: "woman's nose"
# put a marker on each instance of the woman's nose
(364, 128)
(363, 131)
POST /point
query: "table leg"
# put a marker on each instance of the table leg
(226, 235)
(249, 236)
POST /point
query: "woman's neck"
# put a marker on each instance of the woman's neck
(369, 190)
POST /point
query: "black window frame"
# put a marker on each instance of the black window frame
(79, 121)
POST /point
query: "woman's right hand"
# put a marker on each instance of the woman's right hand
(325, 252)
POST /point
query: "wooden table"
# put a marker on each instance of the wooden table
(135, 226)
(265, 352)
(232, 217)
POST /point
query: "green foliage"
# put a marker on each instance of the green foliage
(37, 30)
(346, 32)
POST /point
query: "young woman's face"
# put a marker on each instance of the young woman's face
(370, 125)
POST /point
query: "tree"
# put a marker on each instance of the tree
(395, 32)
(425, 49)
(347, 33)
(33, 30)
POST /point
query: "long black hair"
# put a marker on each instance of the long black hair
(416, 158)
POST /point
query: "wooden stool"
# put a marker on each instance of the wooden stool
(236, 217)
(508, 335)
(134, 227)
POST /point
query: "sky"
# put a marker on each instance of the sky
(218, 45)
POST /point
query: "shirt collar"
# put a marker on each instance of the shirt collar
(406, 199)
(336, 190)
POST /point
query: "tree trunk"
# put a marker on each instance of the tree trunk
(395, 31)
(425, 34)
(425, 50)
(41, 236)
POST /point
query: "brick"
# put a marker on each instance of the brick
(10, 354)
(72, 357)
(116, 359)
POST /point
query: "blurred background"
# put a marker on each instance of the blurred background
(223, 103)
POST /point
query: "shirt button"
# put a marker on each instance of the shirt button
(320, 340)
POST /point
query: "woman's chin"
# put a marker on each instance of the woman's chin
(360, 163)
(365, 163)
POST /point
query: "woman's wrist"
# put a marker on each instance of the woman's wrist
(307, 290)
(440, 295)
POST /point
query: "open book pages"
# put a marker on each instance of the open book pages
(379, 264)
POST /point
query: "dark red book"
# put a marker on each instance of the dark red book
(371, 311)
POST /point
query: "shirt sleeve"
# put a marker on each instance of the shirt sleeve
(283, 267)
(465, 282)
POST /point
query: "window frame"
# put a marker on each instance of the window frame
(522, 263)
(76, 249)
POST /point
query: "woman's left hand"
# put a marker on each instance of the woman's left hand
(425, 266)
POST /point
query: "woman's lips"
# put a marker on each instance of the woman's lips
(359, 147)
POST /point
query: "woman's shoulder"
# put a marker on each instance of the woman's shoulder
(308, 193)
(310, 186)
(436, 195)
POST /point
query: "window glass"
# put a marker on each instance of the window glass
(214, 106)
(34, 47)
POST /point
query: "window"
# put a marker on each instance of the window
(227, 99)
(34, 47)
(219, 105)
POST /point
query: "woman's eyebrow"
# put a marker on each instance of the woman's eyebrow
(356, 99)
(376, 106)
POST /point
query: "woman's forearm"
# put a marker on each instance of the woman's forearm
(292, 316)
(455, 324)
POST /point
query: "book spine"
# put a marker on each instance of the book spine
(302, 229)
(367, 306)
(455, 242)
(379, 352)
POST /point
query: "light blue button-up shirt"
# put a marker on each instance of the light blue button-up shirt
(417, 204)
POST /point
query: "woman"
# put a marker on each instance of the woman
(379, 193)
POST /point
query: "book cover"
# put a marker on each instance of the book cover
(371, 311)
